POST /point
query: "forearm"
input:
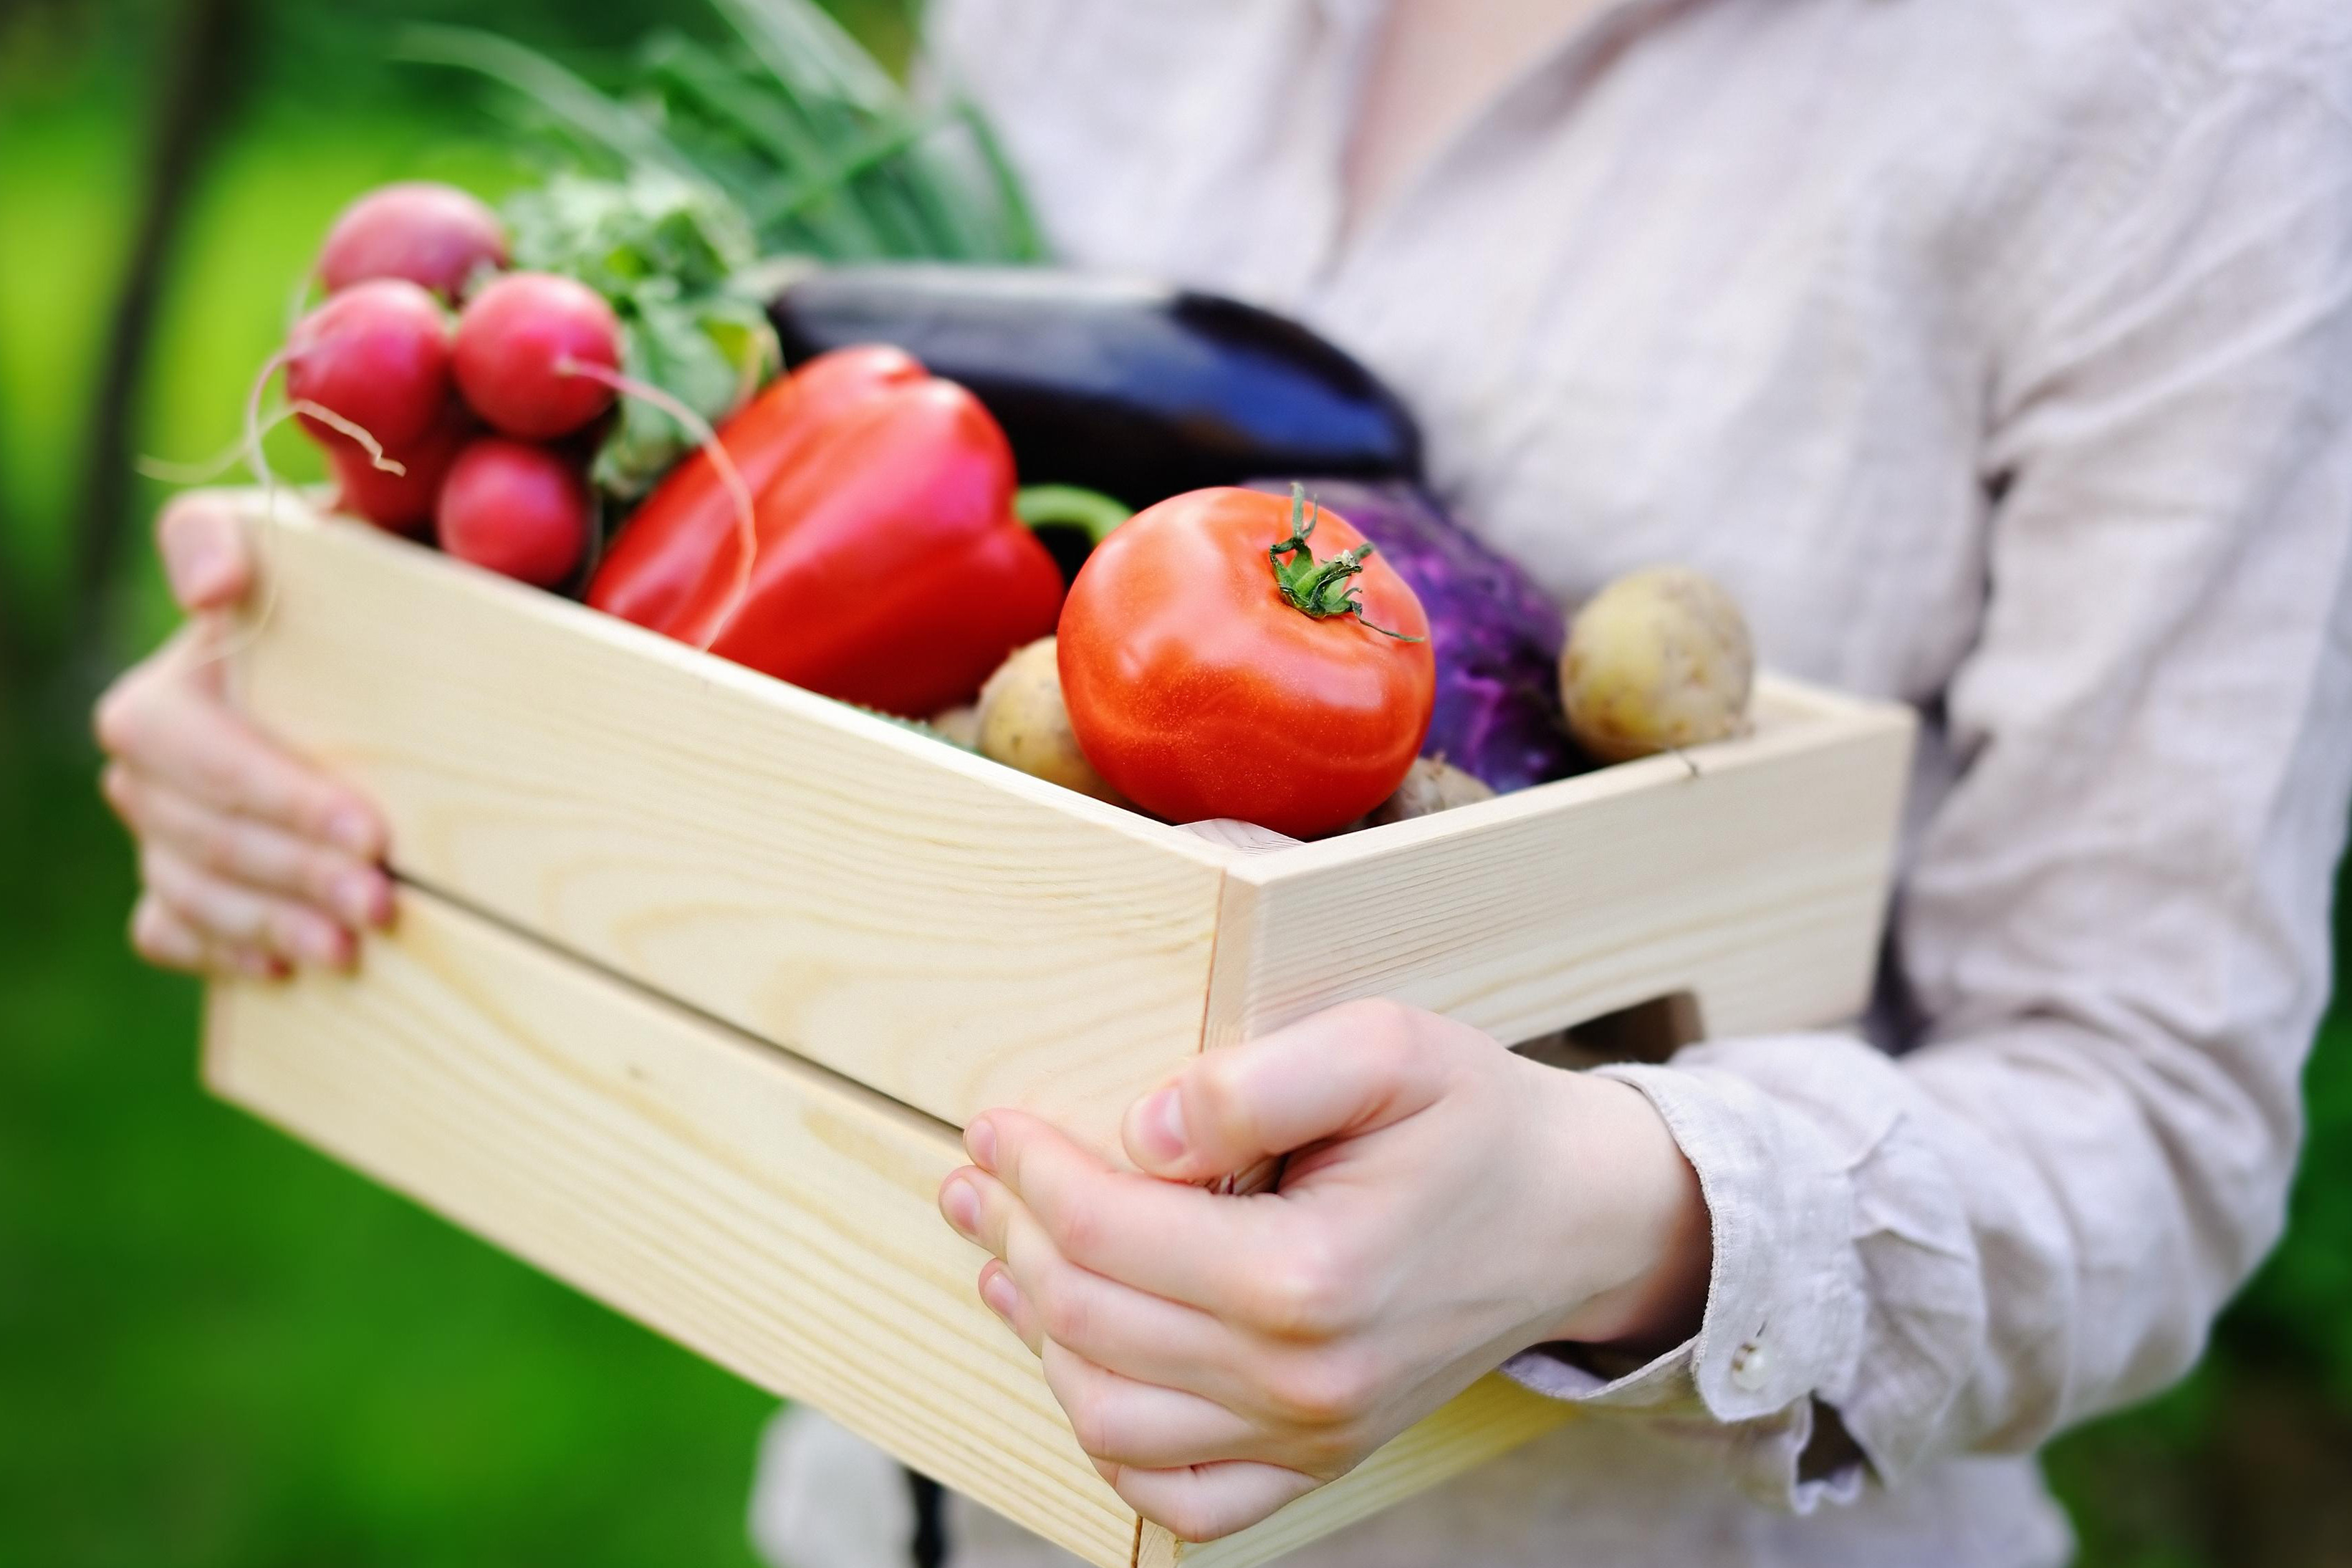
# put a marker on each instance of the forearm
(1627, 1219)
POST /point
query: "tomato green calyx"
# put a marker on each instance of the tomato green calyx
(1321, 589)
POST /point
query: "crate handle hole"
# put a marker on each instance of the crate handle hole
(1646, 1031)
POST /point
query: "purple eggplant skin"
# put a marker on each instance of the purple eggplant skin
(1140, 390)
(1496, 636)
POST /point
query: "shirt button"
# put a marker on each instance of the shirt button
(1751, 1366)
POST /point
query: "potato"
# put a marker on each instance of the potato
(1657, 660)
(958, 724)
(1023, 724)
(1430, 785)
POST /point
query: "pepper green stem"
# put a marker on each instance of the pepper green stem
(1322, 588)
(1042, 506)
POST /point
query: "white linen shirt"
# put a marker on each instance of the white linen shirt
(1998, 355)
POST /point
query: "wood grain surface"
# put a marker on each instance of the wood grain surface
(760, 1211)
(950, 931)
(1752, 874)
(1493, 1417)
(764, 1212)
(960, 936)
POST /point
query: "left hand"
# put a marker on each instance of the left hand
(1446, 1204)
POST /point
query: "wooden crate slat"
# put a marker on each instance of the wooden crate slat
(1751, 873)
(960, 936)
(763, 1212)
(1490, 1418)
(951, 932)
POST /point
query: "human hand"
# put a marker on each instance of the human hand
(1446, 1204)
(252, 861)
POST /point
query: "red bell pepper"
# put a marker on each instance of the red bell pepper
(889, 569)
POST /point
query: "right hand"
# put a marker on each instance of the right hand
(252, 861)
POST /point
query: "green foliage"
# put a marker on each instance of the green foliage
(2297, 1312)
(669, 255)
(792, 119)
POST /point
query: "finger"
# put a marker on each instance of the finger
(205, 558)
(1041, 1295)
(1205, 1501)
(1170, 1240)
(1002, 1297)
(165, 729)
(1121, 1421)
(230, 915)
(1131, 1332)
(165, 940)
(1320, 1395)
(252, 854)
(1347, 1070)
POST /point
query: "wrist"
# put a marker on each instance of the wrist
(1631, 1243)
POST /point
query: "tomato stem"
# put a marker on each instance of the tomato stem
(1322, 589)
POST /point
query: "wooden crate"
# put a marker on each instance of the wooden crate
(697, 973)
(763, 1211)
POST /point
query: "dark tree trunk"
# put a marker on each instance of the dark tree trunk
(195, 81)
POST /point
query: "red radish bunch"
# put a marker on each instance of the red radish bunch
(521, 345)
(515, 508)
(402, 501)
(399, 398)
(377, 354)
(436, 236)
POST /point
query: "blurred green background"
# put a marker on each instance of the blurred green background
(216, 1347)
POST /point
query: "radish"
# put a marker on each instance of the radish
(523, 343)
(403, 501)
(432, 236)
(518, 509)
(378, 355)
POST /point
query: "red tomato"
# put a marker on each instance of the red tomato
(1200, 689)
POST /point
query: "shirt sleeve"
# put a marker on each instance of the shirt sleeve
(2115, 926)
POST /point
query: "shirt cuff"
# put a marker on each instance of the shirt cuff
(1786, 1295)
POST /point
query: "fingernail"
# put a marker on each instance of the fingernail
(997, 1290)
(979, 1142)
(1158, 1129)
(351, 829)
(360, 897)
(318, 942)
(200, 568)
(960, 1204)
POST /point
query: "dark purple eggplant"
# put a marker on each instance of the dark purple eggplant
(1495, 633)
(1134, 388)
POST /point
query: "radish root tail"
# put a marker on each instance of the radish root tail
(222, 648)
(221, 462)
(248, 447)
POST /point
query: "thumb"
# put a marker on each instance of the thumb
(1348, 1070)
(204, 554)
